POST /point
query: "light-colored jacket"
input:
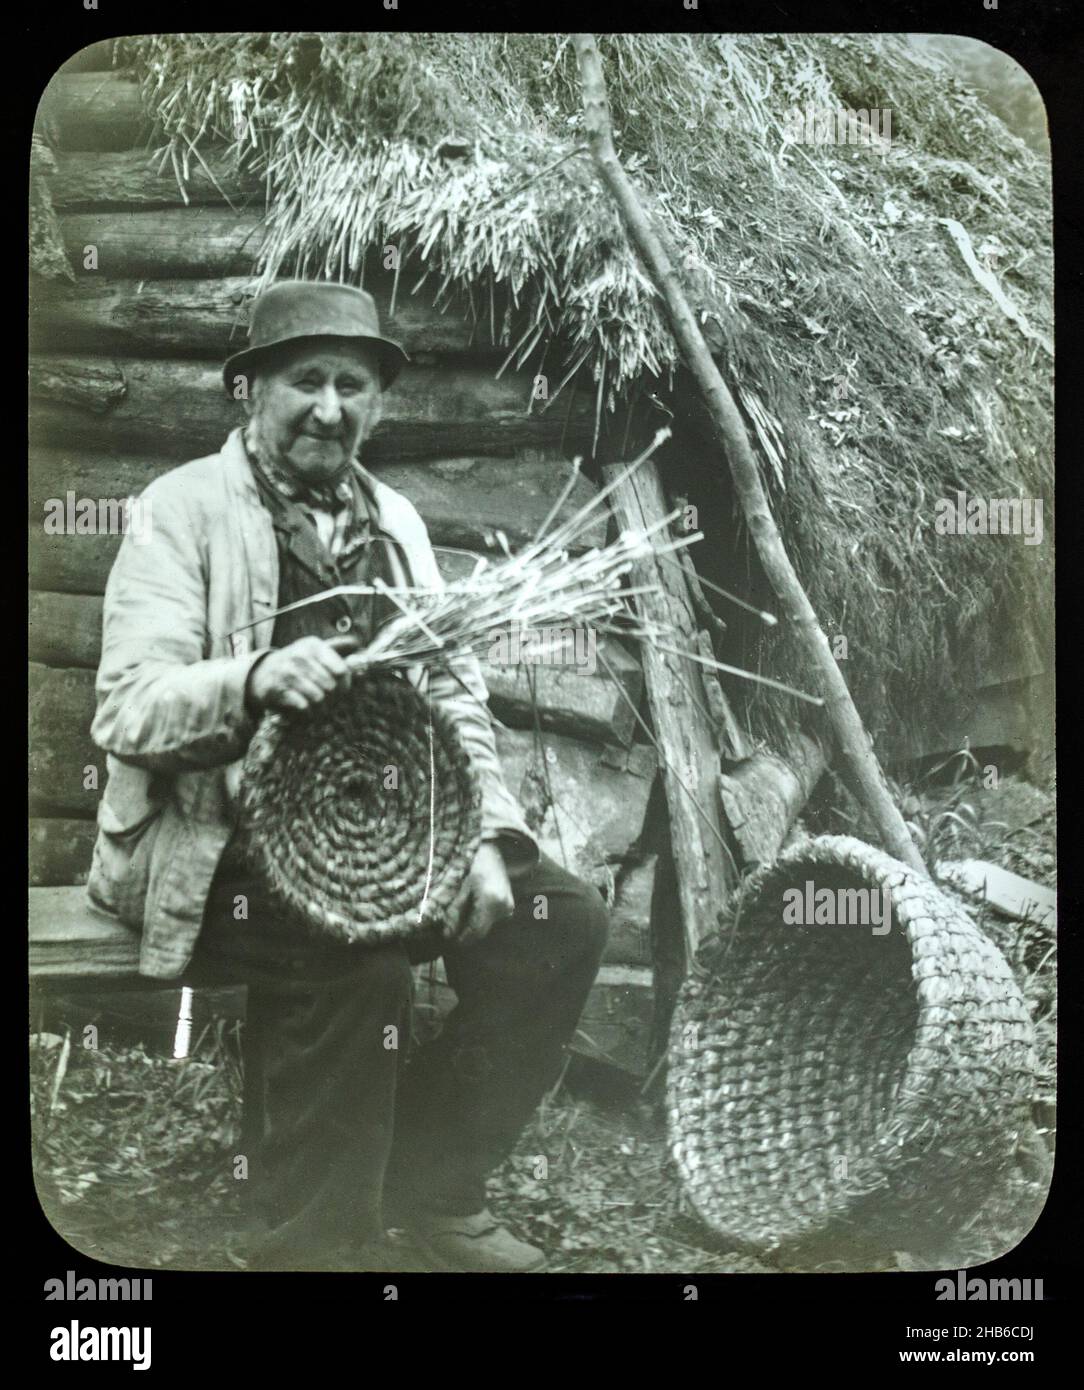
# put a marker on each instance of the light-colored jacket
(171, 711)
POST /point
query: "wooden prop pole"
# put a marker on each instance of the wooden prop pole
(855, 745)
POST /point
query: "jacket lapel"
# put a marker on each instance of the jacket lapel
(258, 577)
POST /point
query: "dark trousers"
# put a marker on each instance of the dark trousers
(339, 1110)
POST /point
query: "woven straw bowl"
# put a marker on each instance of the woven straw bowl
(830, 1084)
(361, 825)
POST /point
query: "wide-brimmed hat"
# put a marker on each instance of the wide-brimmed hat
(294, 309)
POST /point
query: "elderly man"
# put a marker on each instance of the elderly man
(342, 1133)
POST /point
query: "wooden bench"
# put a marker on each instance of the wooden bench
(74, 943)
(84, 969)
(71, 939)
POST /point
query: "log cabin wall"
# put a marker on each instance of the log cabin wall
(125, 384)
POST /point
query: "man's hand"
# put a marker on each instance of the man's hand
(298, 676)
(484, 899)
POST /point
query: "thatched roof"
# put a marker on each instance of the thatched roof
(876, 370)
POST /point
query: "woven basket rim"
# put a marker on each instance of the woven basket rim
(898, 1134)
(879, 869)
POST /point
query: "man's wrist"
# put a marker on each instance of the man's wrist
(253, 707)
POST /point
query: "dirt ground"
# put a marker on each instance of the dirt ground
(133, 1151)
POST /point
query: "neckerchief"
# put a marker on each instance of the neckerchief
(339, 499)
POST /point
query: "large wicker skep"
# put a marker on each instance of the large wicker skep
(829, 1083)
(361, 824)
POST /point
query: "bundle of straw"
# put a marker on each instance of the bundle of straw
(303, 783)
(545, 584)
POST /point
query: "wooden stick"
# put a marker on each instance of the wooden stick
(687, 738)
(854, 742)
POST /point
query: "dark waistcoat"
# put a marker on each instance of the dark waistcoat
(306, 568)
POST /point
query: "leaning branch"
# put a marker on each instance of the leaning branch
(855, 745)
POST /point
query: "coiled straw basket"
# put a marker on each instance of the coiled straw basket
(363, 813)
(827, 1083)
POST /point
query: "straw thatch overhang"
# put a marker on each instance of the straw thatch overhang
(876, 371)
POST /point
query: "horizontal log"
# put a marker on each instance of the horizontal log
(66, 630)
(212, 243)
(763, 795)
(465, 501)
(180, 410)
(92, 387)
(462, 501)
(151, 318)
(217, 244)
(67, 772)
(60, 849)
(70, 564)
(94, 111)
(167, 244)
(127, 1010)
(138, 179)
(198, 318)
(81, 564)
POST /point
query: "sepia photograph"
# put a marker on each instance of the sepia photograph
(541, 638)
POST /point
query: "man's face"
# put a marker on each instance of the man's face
(314, 404)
